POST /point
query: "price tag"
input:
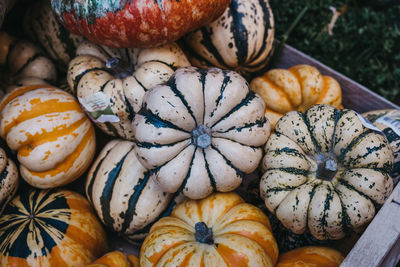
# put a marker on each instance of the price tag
(98, 106)
(392, 120)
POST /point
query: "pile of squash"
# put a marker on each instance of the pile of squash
(146, 121)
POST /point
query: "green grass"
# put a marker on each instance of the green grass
(365, 44)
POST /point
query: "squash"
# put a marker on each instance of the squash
(241, 39)
(110, 83)
(312, 256)
(41, 25)
(9, 179)
(50, 228)
(297, 88)
(23, 59)
(54, 139)
(388, 121)
(116, 259)
(325, 171)
(201, 131)
(136, 23)
(122, 192)
(220, 230)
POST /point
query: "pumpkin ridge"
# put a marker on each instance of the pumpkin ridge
(239, 32)
(184, 182)
(225, 82)
(210, 175)
(156, 145)
(27, 62)
(83, 73)
(158, 122)
(260, 123)
(328, 199)
(307, 123)
(354, 142)
(312, 193)
(291, 170)
(229, 163)
(206, 41)
(349, 186)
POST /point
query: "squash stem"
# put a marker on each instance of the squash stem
(119, 68)
(201, 136)
(327, 169)
(203, 233)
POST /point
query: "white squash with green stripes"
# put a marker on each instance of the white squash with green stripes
(325, 172)
(9, 179)
(241, 39)
(201, 131)
(110, 83)
(124, 196)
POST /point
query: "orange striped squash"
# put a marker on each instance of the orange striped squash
(54, 138)
(50, 228)
(312, 256)
(116, 259)
(297, 88)
(220, 230)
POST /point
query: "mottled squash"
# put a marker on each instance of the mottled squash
(311, 257)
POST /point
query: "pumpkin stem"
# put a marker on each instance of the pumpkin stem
(119, 68)
(201, 136)
(203, 233)
(327, 169)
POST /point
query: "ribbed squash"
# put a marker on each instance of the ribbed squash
(54, 138)
(325, 171)
(311, 257)
(110, 83)
(297, 88)
(41, 25)
(23, 59)
(201, 131)
(241, 39)
(388, 121)
(123, 194)
(221, 230)
(116, 259)
(50, 228)
(9, 179)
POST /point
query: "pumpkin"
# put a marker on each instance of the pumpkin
(8, 179)
(54, 139)
(388, 121)
(41, 25)
(116, 259)
(110, 83)
(311, 257)
(241, 39)
(24, 59)
(220, 230)
(297, 88)
(201, 131)
(325, 171)
(125, 197)
(50, 228)
(136, 23)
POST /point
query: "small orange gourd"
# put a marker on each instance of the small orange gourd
(116, 259)
(312, 256)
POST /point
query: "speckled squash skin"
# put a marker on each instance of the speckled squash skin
(325, 172)
(9, 179)
(241, 39)
(201, 131)
(388, 121)
(220, 230)
(122, 88)
(54, 138)
(145, 23)
(50, 228)
(116, 259)
(41, 25)
(122, 192)
(23, 59)
(297, 88)
(311, 257)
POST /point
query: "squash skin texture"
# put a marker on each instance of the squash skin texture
(310, 257)
(241, 235)
(116, 259)
(9, 179)
(54, 139)
(299, 190)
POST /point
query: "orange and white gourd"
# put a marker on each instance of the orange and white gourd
(110, 83)
(297, 88)
(310, 256)
(54, 138)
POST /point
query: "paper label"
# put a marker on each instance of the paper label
(391, 120)
(98, 106)
(368, 124)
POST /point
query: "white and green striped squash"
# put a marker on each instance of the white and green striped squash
(110, 83)
(125, 197)
(241, 39)
(388, 121)
(42, 26)
(9, 179)
(50, 228)
(325, 171)
(201, 131)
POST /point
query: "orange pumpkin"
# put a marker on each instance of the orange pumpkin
(116, 259)
(220, 230)
(311, 257)
(297, 88)
(54, 138)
